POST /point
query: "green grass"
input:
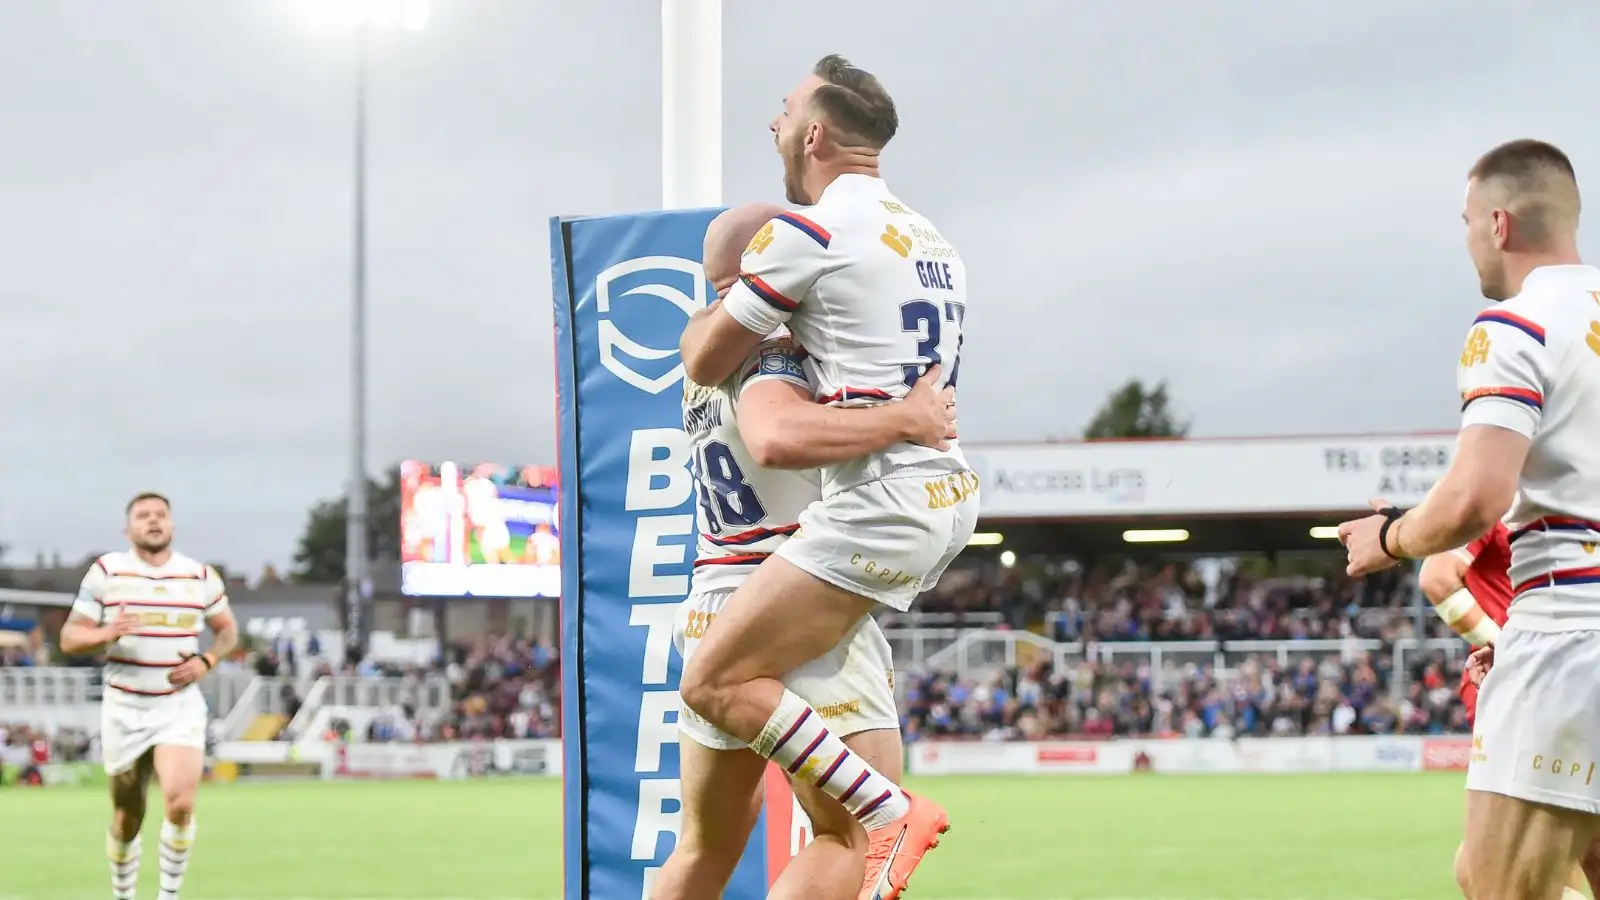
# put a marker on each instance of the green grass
(1043, 838)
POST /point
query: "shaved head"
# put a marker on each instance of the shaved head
(727, 236)
(1522, 209)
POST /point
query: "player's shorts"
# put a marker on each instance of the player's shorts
(887, 540)
(1537, 736)
(852, 687)
(130, 728)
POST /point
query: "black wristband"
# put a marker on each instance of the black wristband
(207, 660)
(1391, 515)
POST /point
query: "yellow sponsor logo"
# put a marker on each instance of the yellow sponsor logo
(887, 574)
(834, 711)
(1564, 768)
(1477, 349)
(948, 490)
(168, 619)
(894, 240)
(1593, 338)
(899, 209)
(695, 628)
(762, 240)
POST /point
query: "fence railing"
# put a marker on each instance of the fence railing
(970, 653)
(48, 686)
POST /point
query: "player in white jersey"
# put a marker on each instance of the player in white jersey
(877, 297)
(740, 432)
(145, 607)
(488, 518)
(1530, 391)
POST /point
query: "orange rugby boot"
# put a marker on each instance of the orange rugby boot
(895, 850)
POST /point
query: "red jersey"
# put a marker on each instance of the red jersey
(1488, 579)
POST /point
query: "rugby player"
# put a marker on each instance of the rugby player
(145, 606)
(740, 431)
(1529, 377)
(877, 297)
(1470, 589)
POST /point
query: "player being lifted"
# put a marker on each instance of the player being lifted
(876, 296)
(1530, 392)
(145, 607)
(741, 432)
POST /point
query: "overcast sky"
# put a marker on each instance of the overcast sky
(1255, 200)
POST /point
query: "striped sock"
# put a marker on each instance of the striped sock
(175, 843)
(124, 857)
(796, 739)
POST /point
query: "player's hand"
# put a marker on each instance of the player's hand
(192, 669)
(1479, 664)
(1360, 540)
(930, 411)
(124, 624)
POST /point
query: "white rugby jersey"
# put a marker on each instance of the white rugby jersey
(1532, 364)
(872, 292)
(744, 511)
(172, 601)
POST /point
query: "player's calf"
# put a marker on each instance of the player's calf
(178, 771)
(123, 848)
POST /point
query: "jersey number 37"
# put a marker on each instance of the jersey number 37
(927, 321)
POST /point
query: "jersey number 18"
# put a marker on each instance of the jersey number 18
(924, 319)
(726, 497)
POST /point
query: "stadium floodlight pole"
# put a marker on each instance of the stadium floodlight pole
(691, 103)
(363, 17)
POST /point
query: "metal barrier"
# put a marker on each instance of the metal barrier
(48, 686)
(428, 695)
(975, 653)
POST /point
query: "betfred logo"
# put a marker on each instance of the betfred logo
(1445, 755)
(1066, 755)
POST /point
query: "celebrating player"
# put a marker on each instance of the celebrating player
(1530, 390)
(765, 416)
(145, 606)
(877, 296)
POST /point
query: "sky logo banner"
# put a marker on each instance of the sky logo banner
(625, 287)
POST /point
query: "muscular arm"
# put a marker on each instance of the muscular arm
(784, 428)
(1476, 491)
(1443, 582)
(714, 345)
(82, 635)
(224, 635)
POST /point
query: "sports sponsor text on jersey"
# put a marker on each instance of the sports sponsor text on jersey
(874, 294)
(172, 601)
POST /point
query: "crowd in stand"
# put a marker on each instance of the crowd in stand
(510, 687)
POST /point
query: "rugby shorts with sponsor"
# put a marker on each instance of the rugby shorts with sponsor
(851, 687)
(1537, 732)
(889, 539)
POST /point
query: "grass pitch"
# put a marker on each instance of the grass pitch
(1157, 837)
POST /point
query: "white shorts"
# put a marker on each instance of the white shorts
(852, 687)
(130, 728)
(1537, 735)
(887, 540)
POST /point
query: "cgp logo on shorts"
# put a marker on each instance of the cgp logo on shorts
(627, 299)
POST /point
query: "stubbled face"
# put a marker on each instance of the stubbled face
(1486, 238)
(150, 525)
(795, 133)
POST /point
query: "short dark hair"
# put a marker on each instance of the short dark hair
(1522, 159)
(1538, 184)
(145, 495)
(855, 103)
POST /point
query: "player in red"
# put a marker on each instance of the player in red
(1470, 589)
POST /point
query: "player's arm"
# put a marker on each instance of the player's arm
(785, 428)
(219, 618)
(1503, 380)
(83, 632)
(1443, 582)
(774, 276)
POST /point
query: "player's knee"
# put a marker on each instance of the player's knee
(179, 805)
(700, 689)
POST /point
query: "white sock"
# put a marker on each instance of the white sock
(796, 739)
(1572, 893)
(175, 843)
(124, 857)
